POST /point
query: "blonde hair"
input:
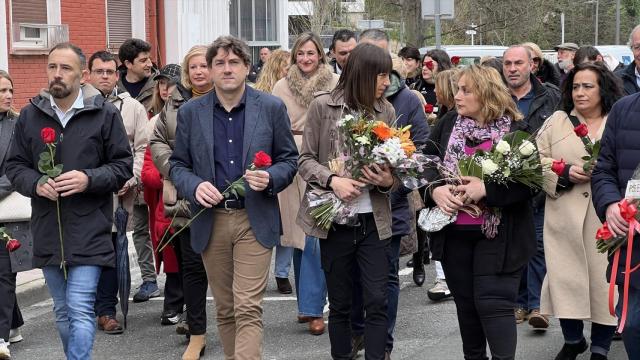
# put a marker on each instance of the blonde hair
(303, 39)
(485, 82)
(12, 112)
(156, 101)
(270, 73)
(194, 51)
(446, 82)
(534, 49)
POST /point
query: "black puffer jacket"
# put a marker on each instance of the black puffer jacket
(547, 73)
(95, 142)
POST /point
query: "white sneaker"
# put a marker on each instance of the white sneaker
(5, 354)
(439, 291)
(15, 336)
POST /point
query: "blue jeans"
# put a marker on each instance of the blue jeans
(631, 331)
(73, 302)
(601, 335)
(311, 287)
(393, 293)
(533, 274)
(283, 261)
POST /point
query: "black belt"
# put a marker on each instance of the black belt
(230, 204)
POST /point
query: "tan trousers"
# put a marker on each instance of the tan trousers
(237, 268)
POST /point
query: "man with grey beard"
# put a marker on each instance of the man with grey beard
(566, 53)
(72, 210)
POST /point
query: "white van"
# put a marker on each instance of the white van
(469, 54)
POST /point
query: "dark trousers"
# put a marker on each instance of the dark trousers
(533, 274)
(173, 293)
(107, 291)
(194, 283)
(345, 248)
(393, 293)
(10, 315)
(601, 335)
(484, 303)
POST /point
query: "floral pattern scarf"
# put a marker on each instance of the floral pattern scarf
(467, 130)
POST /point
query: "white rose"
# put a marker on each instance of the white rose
(348, 117)
(527, 148)
(503, 147)
(488, 166)
(362, 140)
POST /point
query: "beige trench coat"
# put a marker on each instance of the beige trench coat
(291, 197)
(575, 286)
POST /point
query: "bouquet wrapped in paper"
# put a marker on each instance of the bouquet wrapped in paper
(364, 142)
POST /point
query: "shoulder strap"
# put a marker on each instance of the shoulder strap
(574, 120)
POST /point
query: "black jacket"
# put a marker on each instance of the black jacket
(515, 241)
(547, 73)
(545, 102)
(628, 76)
(616, 163)
(94, 141)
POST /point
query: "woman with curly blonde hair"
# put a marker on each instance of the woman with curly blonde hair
(274, 69)
(482, 256)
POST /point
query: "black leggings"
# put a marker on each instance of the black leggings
(484, 303)
(194, 282)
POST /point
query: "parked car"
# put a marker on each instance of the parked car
(469, 54)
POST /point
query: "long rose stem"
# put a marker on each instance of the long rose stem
(62, 261)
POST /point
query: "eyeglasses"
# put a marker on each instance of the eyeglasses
(102, 72)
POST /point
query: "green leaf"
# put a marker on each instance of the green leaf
(45, 156)
(53, 173)
(468, 167)
(43, 166)
(516, 138)
(43, 179)
(596, 149)
(240, 189)
(586, 158)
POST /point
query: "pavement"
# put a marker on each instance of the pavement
(424, 329)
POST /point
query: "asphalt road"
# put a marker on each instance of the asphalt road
(424, 330)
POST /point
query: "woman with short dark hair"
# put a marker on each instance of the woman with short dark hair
(432, 62)
(360, 90)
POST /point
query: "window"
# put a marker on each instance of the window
(118, 23)
(254, 21)
(30, 31)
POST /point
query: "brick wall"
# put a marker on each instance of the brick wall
(87, 29)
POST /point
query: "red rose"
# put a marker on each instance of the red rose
(428, 64)
(581, 130)
(604, 233)
(261, 159)
(13, 245)
(48, 135)
(428, 108)
(455, 60)
(558, 167)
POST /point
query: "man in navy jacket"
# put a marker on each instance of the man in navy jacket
(216, 139)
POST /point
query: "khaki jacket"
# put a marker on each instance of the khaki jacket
(146, 94)
(318, 143)
(162, 143)
(575, 286)
(134, 117)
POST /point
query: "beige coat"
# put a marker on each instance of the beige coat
(575, 286)
(297, 106)
(135, 121)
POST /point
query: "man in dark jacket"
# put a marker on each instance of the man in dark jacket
(91, 144)
(343, 42)
(265, 52)
(136, 77)
(619, 156)
(536, 102)
(630, 74)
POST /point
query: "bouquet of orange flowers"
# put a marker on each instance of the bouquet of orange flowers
(363, 142)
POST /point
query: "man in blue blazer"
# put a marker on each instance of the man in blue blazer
(217, 137)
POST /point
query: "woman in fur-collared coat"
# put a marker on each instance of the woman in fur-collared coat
(309, 73)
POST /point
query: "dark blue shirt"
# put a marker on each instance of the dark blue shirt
(525, 102)
(228, 134)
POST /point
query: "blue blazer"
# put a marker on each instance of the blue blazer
(267, 128)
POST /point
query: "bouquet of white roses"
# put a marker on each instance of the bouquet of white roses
(513, 159)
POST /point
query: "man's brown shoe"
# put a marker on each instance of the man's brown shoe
(537, 320)
(109, 325)
(521, 315)
(304, 319)
(316, 326)
(284, 286)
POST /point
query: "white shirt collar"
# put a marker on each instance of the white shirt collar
(77, 104)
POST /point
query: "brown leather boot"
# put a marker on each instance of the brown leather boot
(197, 344)
(316, 326)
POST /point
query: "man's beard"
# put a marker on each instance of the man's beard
(60, 92)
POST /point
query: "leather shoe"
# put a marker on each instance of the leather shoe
(316, 326)
(109, 325)
(284, 286)
(418, 274)
(303, 319)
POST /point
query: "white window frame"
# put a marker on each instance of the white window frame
(24, 45)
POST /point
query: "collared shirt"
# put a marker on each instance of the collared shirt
(524, 103)
(228, 134)
(66, 116)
